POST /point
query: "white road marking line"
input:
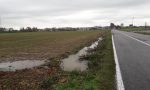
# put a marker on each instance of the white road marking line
(120, 85)
(136, 39)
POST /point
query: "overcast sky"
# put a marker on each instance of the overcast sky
(63, 13)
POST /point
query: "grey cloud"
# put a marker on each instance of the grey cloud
(21, 12)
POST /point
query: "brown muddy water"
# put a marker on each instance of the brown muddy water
(19, 65)
(72, 63)
(68, 64)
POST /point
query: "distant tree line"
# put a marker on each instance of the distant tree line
(113, 26)
(35, 29)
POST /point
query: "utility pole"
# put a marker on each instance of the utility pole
(145, 25)
(0, 22)
(0, 25)
(132, 21)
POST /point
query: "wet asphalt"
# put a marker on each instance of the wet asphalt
(134, 59)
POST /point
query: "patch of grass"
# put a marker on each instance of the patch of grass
(100, 74)
(48, 82)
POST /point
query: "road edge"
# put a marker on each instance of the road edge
(120, 85)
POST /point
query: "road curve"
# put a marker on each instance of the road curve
(133, 51)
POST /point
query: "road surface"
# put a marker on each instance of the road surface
(133, 51)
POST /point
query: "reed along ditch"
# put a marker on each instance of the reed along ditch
(100, 74)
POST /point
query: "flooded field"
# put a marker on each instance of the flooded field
(72, 63)
(19, 65)
(42, 45)
(27, 59)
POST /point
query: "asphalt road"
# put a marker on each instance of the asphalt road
(133, 51)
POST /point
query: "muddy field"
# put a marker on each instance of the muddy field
(41, 45)
(50, 46)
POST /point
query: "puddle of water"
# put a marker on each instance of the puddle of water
(19, 65)
(72, 63)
